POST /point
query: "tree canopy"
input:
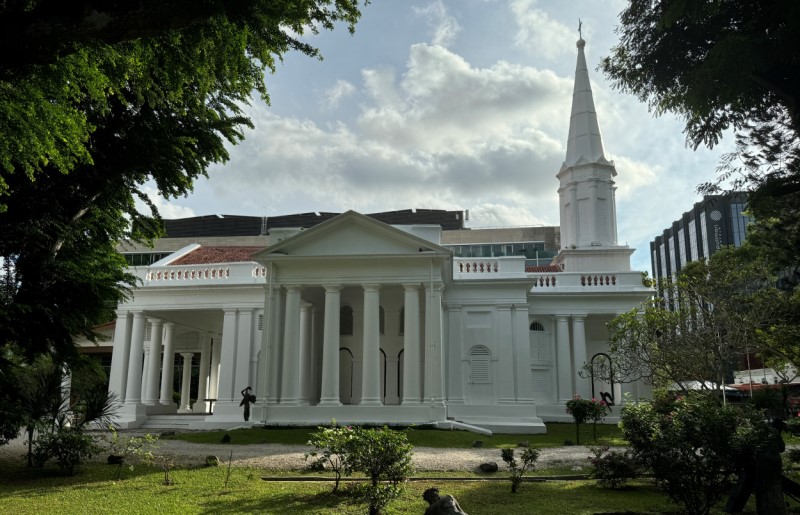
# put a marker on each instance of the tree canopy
(717, 63)
(703, 324)
(97, 100)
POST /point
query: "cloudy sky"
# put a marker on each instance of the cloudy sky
(451, 104)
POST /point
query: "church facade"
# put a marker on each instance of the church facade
(363, 321)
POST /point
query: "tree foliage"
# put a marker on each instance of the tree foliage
(98, 100)
(702, 325)
(727, 65)
(692, 445)
(718, 64)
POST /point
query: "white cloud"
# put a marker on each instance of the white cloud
(539, 33)
(334, 95)
(444, 28)
(166, 208)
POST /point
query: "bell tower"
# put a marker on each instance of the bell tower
(586, 189)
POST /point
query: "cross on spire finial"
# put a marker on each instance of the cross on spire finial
(580, 24)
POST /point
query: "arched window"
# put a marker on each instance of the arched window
(381, 319)
(537, 326)
(346, 321)
(402, 329)
(480, 359)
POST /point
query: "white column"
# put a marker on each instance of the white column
(213, 374)
(505, 350)
(201, 406)
(455, 377)
(371, 365)
(574, 217)
(186, 383)
(145, 372)
(244, 348)
(412, 391)
(582, 386)
(434, 372)
(154, 363)
(522, 354)
(595, 215)
(275, 357)
(329, 395)
(133, 387)
(565, 370)
(168, 365)
(290, 380)
(226, 392)
(306, 364)
(118, 375)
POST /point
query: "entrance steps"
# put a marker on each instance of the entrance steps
(174, 421)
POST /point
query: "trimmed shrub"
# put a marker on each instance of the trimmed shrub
(613, 468)
(583, 410)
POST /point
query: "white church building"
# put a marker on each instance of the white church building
(362, 321)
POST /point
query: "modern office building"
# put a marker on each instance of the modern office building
(714, 222)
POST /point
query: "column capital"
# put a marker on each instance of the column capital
(187, 355)
(169, 325)
(155, 321)
(293, 287)
(411, 286)
(371, 286)
(332, 288)
(577, 318)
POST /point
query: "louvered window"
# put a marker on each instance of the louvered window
(537, 326)
(480, 362)
(260, 322)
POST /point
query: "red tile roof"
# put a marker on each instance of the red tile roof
(209, 255)
(547, 269)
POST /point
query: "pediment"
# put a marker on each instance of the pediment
(351, 234)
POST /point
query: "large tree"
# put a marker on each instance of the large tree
(726, 65)
(97, 99)
(704, 323)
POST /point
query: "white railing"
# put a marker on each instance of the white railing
(489, 268)
(216, 273)
(585, 281)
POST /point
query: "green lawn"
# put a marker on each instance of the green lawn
(202, 491)
(607, 434)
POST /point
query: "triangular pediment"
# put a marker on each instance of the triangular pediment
(351, 234)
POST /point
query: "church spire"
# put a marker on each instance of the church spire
(586, 187)
(585, 145)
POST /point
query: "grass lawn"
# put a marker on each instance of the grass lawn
(203, 491)
(607, 434)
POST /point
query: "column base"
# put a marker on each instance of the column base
(411, 402)
(329, 402)
(184, 410)
(370, 402)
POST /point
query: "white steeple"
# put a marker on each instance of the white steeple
(586, 188)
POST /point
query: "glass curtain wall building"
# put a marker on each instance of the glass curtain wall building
(714, 222)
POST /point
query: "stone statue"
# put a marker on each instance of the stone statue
(441, 504)
(247, 399)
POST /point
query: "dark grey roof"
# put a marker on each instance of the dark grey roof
(238, 225)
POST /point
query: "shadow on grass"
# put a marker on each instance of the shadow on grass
(288, 502)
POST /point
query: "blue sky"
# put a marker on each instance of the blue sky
(451, 104)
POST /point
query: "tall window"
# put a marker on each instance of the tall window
(346, 321)
(693, 251)
(704, 233)
(663, 255)
(673, 265)
(739, 223)
(682, 247)
(381, 319)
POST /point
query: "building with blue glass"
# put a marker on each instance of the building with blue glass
(714, 222)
